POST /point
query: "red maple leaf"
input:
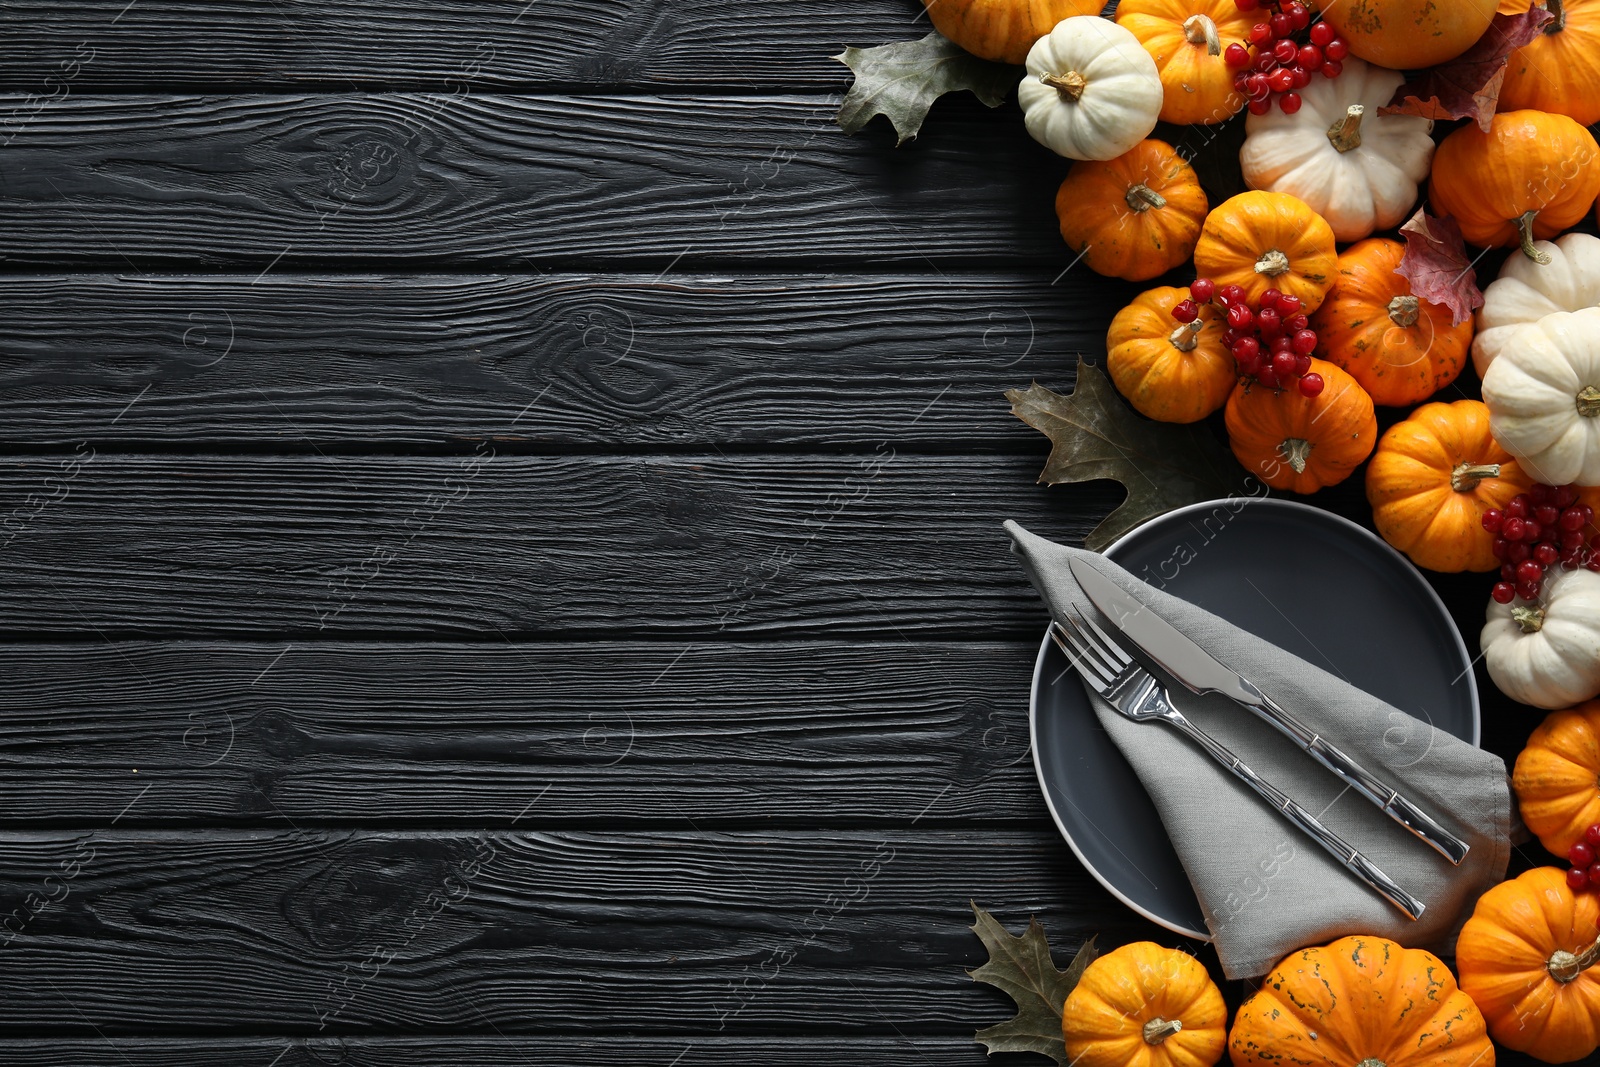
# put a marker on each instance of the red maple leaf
(1468, 87)
(1437, 266)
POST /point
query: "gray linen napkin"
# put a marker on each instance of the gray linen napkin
(1265, 888)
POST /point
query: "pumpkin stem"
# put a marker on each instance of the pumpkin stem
(1142, 198)
(1273, 264)
(1200, 29)
(1525, 228)
(1296, 451)
(1371, 1062)
(1071, 84)
(1556, 8)
(1158, 1030)
(1346, 133)
(1588, 401)
(1465, 478)
(1565, 966)
(1404, 311)
(1530, 619)
(1186, 338)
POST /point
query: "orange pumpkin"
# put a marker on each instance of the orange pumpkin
(1557, 777)
(1530, 177)
(1360, 1002)
(1134, 217)
(1400, 348)
(1558, 72)
(1260, 241)
(1291, 442)
(1145, 1006)
(1187, 38)
(1409, 34)
(1431, 480)
(1526, 959)
(1002, 30)
(1172, 375)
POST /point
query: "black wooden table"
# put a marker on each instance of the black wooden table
(502, 556)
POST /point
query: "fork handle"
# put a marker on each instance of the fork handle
(1357, 777)
(1335, 845)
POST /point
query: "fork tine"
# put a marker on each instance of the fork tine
(1093, 672)
(1106, 663)
(1107, 643)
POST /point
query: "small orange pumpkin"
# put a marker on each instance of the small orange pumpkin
(1134, 217)
(1557, 777)
(1186, 38)
(1292, 442)
(1260, 241)
(1145, 1006)
(1530, 177)
(1431, 480)
(1360, 1002)
(1002, 30)
(1401, 349)
(1558, 71)
(1526, 958)
(1409, 34)
(1167, 374)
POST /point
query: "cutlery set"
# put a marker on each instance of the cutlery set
(1136, 694)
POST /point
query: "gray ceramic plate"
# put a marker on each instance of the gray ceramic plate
(1354, 606)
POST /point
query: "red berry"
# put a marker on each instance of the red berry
(1305, 341)
(1261, 34)
(1266, 61)
(1310, 57)
(1529, 571)
(1547, 514)
(1499, 547)
(1580, 855)
(1247, 349)
(1282, 25)
(1503, 592)
(1240, 317)
(1289, 305)
(1592, 563)
(1531, 530)
(1336, 49)
(1546, 553)
(1332, 68)
(1592, 836)
(1511, 528)
(1508, 572)
(1594, 875)
(1231, 294)
(1281, 80)
(1283, 343)
(1302, 77)
(1528, 590)
(1283, 366)
(1518, 508)
(1541, 494)
(1285, 52)
(1302, 365)
(1269, 322)
(1186, 311)
(1246, 5)
(1321, 33)
(1290, 102)
(1299, 16)
(1311, 385)
(1572, 519)
(1256, 86)
(1492, 520)
(1237, 56)
(1294, 322)
(1203, 289)
(1577, 879)
(1269, 299)
(1268, 377)
(1566, 496)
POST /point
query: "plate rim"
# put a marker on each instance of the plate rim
(1289, 505)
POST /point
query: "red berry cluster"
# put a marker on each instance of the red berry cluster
(1277, 62)
(1584, 872)
(1539, 529)
(1272, 342)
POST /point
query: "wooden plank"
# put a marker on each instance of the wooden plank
(603, 734)
(144, 182)
(329, 933)
(381, 360)
(693, 548)
(593, 44)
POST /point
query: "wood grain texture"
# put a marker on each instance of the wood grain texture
(687, 932)
(613, 360)
(603, 734)
(662, 183)
(341, 44)
(694, 548)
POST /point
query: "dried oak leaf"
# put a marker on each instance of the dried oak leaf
(1437, 266)
(1023, 969)
(1468, 87)
(1094, 435)
(901, 81)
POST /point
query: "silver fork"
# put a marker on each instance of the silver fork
(1136, 694)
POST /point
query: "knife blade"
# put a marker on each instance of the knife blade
(1200, 672)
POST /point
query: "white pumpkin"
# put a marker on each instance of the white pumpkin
(1547, 654)
(1526, 292)
(1356, 168)
(1091, 91)
(1543, 394)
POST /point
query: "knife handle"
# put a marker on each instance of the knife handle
(1357, 777)
(1335, 845)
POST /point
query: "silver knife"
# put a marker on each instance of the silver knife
(1199, 671)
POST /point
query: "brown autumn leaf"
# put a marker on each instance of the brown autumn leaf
(1023, 969)
(1468, 87)
(1094, 435)
(901, 81)
(1437, 266)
